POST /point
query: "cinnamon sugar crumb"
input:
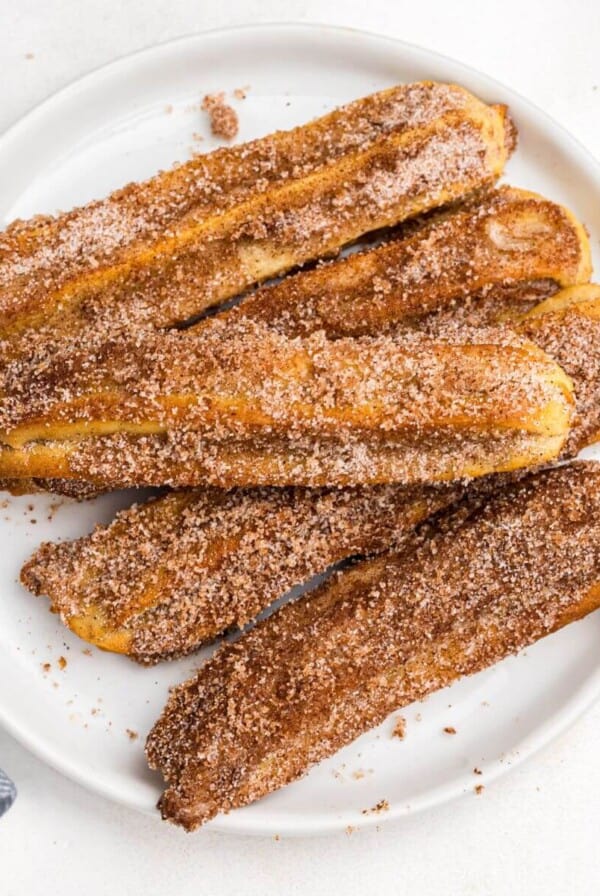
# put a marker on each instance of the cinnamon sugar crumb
(62, 663)
(449, 730)
(46, 667)
(477, 771)
(132, 735)
(223, 118)
(240, 93)
(381, 806)
(479, 789)
(400, 728)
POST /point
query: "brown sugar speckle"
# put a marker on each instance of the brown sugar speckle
(240, 93)
(132, 735)
(449, 730)
(479, 789)
(223, 119)
(46, 667)
(477, 771)
(62, 663)
(400, 728)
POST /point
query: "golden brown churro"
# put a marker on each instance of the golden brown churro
(237, 405)
(167, 249)
(324, 669)
(179, 570)
(507, 248)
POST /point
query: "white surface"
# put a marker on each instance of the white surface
(105, 130)
(515, 837)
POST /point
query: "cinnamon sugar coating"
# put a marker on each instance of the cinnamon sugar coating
(177, 571)
(491, 247)
(465, 593)
(243, 405)
(165, 250)
(567, 327)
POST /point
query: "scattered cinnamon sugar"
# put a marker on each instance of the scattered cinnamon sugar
(479, 789)
(400, 728)
(62, 663)
(223, 118)
(381, 806)
(46, 667)
(240, 93)
(449, 729)
(132, 735)
(53, 508)
(477, 771)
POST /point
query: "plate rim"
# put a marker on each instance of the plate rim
(579, 700)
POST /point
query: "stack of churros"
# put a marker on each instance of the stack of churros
(417, 405)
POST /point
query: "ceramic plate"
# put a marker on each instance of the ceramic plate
(89, 719)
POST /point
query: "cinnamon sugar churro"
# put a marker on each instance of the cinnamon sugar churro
(509, 248)
(321, 671)
(247, 406)
(165, 250)
(177, 571)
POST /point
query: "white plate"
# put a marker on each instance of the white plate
(111, 127)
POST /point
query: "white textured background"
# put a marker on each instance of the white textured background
(535, 831)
